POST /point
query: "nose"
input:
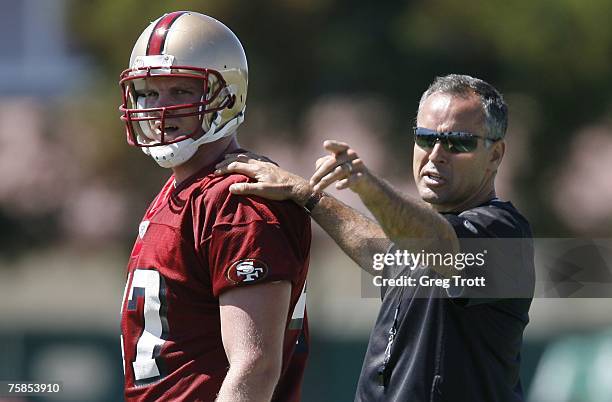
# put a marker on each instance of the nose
(164, 99)
(438, 154)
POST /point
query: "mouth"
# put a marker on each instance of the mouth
(433, 179)
(169, 129)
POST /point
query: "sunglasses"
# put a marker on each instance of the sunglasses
(455, 142)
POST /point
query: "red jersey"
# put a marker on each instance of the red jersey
(196, 241)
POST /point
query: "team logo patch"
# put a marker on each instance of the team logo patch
(247, 271)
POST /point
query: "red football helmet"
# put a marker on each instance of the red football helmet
(191, 45)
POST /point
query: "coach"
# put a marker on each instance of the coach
(430, 343)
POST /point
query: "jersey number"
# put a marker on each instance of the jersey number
(149, 285)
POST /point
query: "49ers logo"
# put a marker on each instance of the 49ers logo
(247, 271)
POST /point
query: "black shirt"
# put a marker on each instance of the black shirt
(456, 343)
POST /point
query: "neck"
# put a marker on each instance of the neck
(469, 203)
(206, 154)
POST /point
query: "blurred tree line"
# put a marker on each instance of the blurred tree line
(551, 57)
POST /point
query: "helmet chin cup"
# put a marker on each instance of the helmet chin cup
(171, 155)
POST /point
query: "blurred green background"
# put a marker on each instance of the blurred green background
(73, 192)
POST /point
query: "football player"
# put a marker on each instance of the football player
(214, 304)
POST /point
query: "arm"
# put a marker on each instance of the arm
(410, 223)
(253, 321)
(402, 217)
(358, 236)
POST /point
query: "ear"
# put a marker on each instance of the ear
(497, 153)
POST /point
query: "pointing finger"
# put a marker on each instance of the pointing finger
(335, 146)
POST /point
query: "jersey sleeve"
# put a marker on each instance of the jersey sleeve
(503, 250)
(255, 241)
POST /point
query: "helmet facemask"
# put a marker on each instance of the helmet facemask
(151, 126)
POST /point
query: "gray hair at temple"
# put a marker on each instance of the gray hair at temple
(493, 104)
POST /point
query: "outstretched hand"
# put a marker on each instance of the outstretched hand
(272, 183)
(342, 166)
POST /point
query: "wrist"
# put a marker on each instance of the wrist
(302, 192)
(313, 201)
(367, 185)
(306, 197)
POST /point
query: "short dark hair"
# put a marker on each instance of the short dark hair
(493, 104)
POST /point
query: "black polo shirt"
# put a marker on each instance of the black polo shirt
(457, 343)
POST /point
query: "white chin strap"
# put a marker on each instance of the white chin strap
(171, 155)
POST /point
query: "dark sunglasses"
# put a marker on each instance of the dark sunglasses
(455, 142)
